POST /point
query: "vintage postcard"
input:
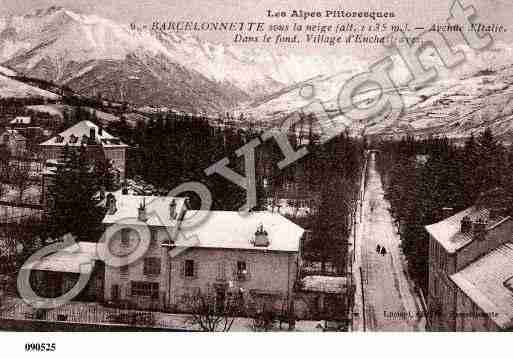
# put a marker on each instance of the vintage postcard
(255, 166)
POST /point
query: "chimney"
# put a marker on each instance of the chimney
(479, 229)
(111, 204)
(92, 134)
(124, 190)
(172, 209)
(141, 215)
(261, 237)
(466, 224)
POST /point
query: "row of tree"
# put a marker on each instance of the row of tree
(426, 179)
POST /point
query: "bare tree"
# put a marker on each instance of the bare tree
(20, 178)
(213, 313)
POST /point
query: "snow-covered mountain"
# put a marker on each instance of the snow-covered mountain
(476, 94)
(95, 55)
(13, 89)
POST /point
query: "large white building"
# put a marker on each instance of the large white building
(98, 141)
(255, 257)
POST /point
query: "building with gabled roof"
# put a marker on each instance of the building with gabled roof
(458, 245)
(254, 257)
(94, 138)
(486, 287)
(56, 273)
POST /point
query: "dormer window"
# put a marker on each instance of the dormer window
(261, 237)
(172, 209)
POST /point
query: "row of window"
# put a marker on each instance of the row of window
(145, 289)
(189, 270)
(152, 267)
(125, 237)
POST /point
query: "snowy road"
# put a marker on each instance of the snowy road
(389, 299)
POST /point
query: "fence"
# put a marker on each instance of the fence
(81, 313)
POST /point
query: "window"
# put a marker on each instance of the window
(125, 237)
(221, 273)
(189, 268)
(151, 266)
(123, 271)
(145, 289)
(114, 293)
(242, 271)
(153, 237)
(241, 267)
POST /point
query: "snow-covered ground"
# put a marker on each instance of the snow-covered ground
(10, 88)
(94, 313)
(389, 299)
(7, 72)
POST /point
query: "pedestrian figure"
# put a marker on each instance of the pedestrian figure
(383, 251)
(378, 248)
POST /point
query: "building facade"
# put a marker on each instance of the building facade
(457, 245)
(98, 142)
(252, 260)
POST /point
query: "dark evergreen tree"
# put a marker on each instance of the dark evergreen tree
(72, 207)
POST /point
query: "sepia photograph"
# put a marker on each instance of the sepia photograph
(329, 168)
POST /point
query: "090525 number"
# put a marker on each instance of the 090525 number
(40, 347)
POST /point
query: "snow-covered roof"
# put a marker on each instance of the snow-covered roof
(218, 229)
(157, 209)
(21, 120)
(487, 283)
(232, 230)
(448, 231)
(73, 135)
(324, 284)
(77, 258)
